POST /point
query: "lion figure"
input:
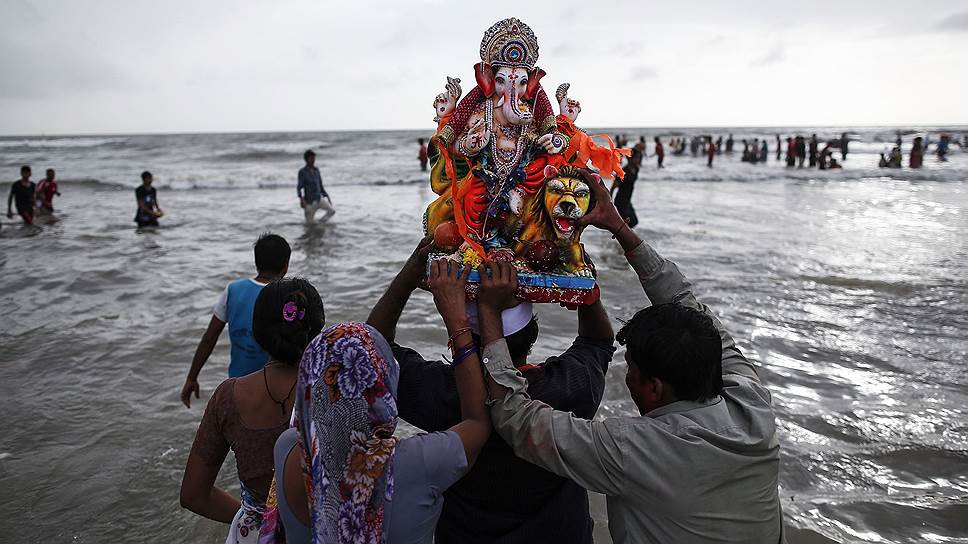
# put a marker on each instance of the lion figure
(553, 212)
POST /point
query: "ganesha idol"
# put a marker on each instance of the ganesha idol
(513, 178)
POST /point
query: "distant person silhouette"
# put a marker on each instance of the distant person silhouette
(148, 210)
(813, 150)
(943, 144)
(917, 153)
(659, 152)
(422, 154)
(824, 156)
(791, 152)
(729, 144)
(22, 194)
(46, 190)
(309, 188)
(801, 148)
(779, 148)
(843, 146)
(623, 197)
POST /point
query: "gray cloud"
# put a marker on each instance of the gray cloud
(956, 22)
(643, 73)
(773, 56)
(31, 71)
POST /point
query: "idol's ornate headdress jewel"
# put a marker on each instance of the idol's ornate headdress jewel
(509, 43)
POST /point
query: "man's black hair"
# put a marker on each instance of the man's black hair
(271, 253)
(307, 154)
(24, 168)
(145, 175)
(520, 342)
(679, 345)
(50, 171)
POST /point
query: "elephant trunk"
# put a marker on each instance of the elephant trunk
(516, 111)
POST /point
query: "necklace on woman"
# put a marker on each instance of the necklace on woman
(281, 403)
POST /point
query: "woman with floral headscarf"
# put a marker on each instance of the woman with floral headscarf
(350, 479)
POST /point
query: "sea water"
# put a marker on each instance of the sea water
(846, 288)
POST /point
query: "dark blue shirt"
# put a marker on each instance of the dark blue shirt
(310, 186)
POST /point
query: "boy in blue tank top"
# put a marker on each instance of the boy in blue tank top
(234, 308)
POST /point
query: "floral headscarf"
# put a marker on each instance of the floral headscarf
(346, 413)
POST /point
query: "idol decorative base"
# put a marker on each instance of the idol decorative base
(537, 287)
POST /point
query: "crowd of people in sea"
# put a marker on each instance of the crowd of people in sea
(509, 445)
(795, 150)
(36, 200)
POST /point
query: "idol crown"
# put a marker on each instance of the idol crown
(509, 43)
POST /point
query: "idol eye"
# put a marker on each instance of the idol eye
(500, 80)
(581, 193)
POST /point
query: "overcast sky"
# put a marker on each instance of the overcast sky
(133, 66)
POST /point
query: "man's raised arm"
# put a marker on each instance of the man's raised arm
(660, 277)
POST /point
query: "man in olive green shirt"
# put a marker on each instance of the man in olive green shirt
(700, 464)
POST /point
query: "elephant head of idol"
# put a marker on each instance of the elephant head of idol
(508, 78)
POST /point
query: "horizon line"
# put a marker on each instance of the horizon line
(592, 128)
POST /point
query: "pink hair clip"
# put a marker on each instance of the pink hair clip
(291, 312)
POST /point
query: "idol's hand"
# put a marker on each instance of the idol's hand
(477, 137)
(552, 143)
(413, 273)
(499, 285)
(447, 283)
(453, 88)
(604, 215)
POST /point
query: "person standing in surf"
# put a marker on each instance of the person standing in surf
(22, 193)
(311, 192)
(422, 154)
(917, 153)
(148, 210)
(234, 308)
(45, 192)
(813, 150)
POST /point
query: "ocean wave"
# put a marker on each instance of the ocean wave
(177, 185)
(59, 142)
(92, 183)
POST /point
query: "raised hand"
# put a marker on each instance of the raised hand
(447, 282)
(499, 285)
(413, 270)
(603, 215)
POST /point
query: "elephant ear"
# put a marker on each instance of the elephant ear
(534, 83)
(485, 78)
(550, 172)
